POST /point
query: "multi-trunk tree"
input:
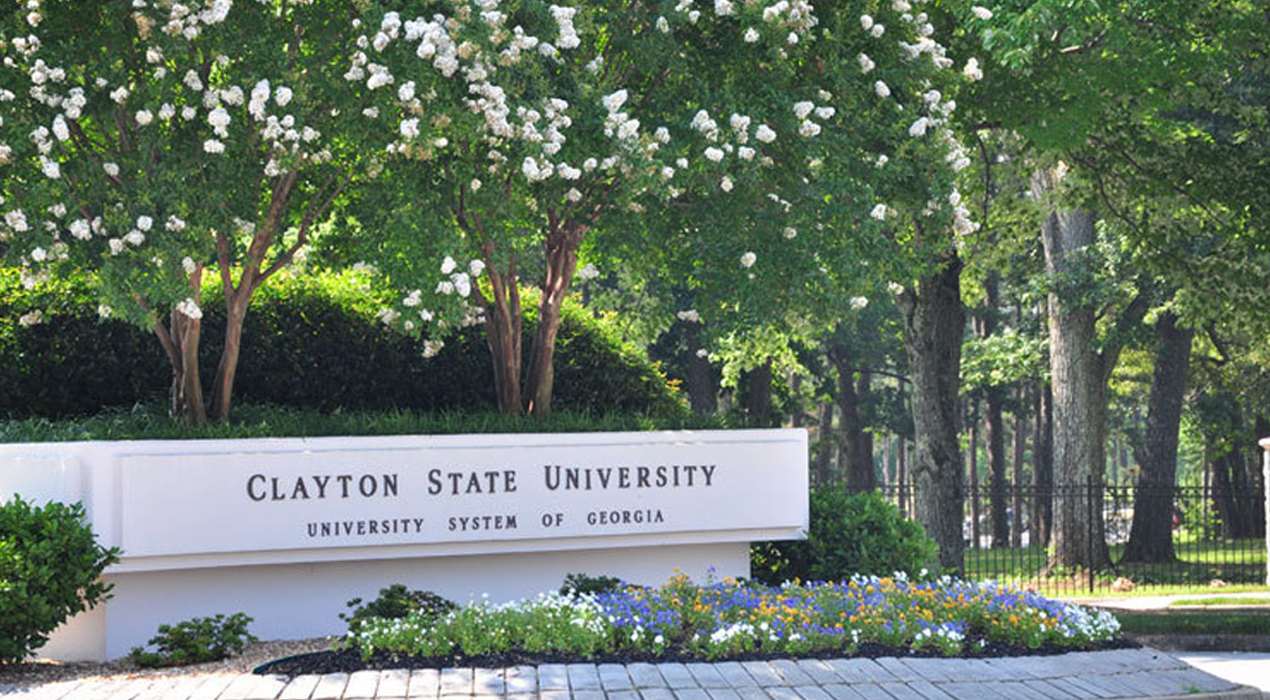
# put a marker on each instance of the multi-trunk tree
(155, 143)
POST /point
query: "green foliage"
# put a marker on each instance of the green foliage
(195, 641)
(585, 583)
(396, 602)
(313, 343)
(152, 422)
(850, 534)
(50, 569)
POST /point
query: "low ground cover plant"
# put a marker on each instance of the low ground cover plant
(394, 602)
(729, 618)
(195, 641)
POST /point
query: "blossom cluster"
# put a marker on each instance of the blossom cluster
(724, 619)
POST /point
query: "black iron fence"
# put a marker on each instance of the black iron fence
(1129, 537)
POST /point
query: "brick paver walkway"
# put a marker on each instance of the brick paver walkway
(1129, 673)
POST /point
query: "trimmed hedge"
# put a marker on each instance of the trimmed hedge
(308, 342)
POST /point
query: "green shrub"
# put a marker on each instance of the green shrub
(584, 583)
(195, 641)
(50, 569)
(395, 602)
(850, 534)
(308, 342)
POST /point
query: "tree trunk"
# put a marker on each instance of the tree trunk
(974, 479)
(826, 443)
(994, 428)
(503, 335)
(1042, 468)
(901, 479)
(703, 385)
(1080, 390)
(227, 369)
(1016, 476)
(1151, 534)
(180, 340)
(758, 404)
(934, 320)
(855, 455)
(561, 248)
(796, 416)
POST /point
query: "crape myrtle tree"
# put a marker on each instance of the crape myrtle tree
(737, 134)
(869, 208)
(154, 143)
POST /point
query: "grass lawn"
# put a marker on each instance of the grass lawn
(1222, 600)
(1241, 563)
(1248, 622)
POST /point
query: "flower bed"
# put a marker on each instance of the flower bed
(728, 619)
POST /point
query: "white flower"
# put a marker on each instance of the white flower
(410, 128)
(135, 237)
(802, 109)
(104, 311)
(748, 259)
(714, 154)
(145, 223)
(448, 265)
(476, 267)
(765, 134)
(726, 184)
(877, 31)
(662, 25)
(751, 35)
(866, 63)
(790, 232)
(881, 89)
(703, 354)
(31, 319)
(116, 246)
(282, 95)
(809, 129)
(982, 13)
(745, 153)
(60, 130)
(866, 21)
(825, 112)
(614, 101)
(573, 195)
(918, 128)
(39, 254)
(406, 92)
(50, 168)
(879, 212)
(189, 307)
(972, 71)
(882, 160)
(858, 303)
(689, 316)
(213, 146)
(119, 95)
(588, 272)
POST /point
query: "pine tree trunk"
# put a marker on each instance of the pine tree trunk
(1151, 534)
(1042, 468)
(703, 386)
(975, 542)
(994, 428)
(934, 320)
(758, 404)
(1016, 476)
(826, 444)
(855, 456)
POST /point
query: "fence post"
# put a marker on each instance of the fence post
(1265, 481)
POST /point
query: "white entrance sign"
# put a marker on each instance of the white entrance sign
(287, 530)
(349, 497)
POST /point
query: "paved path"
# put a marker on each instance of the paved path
(1238, 667)
(1128, 673)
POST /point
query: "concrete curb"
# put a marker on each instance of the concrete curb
(1204, 642)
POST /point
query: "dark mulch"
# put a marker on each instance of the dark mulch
(350, 661)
